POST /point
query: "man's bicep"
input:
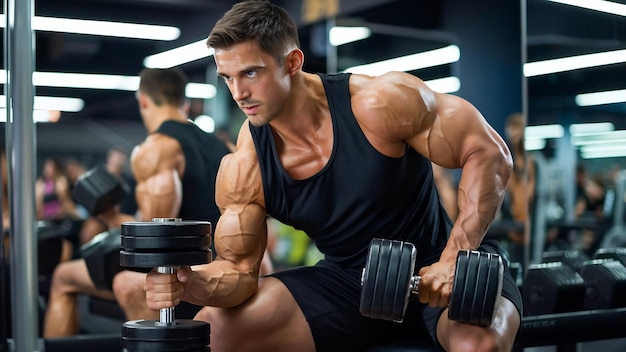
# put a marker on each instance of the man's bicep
(241, 233)
(241, 236)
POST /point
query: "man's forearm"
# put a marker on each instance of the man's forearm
(480, 193)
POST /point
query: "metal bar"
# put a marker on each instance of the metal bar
(21, 132)
(569, 328)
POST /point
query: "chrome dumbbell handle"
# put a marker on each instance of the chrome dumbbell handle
(166, 315)
(415, 281)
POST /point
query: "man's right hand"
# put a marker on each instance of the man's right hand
(165, 290)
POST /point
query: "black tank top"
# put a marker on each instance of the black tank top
(203, 154)
(359, 194)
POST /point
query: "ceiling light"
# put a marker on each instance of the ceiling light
(100, 81)
(85, 80)
(200, 90)
(53, 103)
(444, 85)
(206, 123)
(608, 151)
(574, 63)
(598, 5)
(178, 56)
(412, 62)
(600, 98)
(534, 144)
(544, 131)
(581, 129)
(343, 35)
(610, 137)
(102, 28)
(38, 115)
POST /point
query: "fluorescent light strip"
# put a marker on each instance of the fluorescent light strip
(444, 85)
(103, 28)
(178, 56)
(343, 35)
(601, 98)
(112, 82)
(38, 115)
(412, 62)
(603, 154)
(53, 103)
(86, 80)
(544, 131)
(200, 90)
(600, 138)
(604, 147)
(534, 144)
(206, 123)
(598, 5)
(574, 63)
(581, 129)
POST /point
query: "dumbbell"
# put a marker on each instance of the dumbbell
(165, 244)
(569, 281)
(98, 190)
(388, 281)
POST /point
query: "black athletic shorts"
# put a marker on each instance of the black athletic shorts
(329, 297)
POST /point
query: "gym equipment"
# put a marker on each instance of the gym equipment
(566, 329)
(552, 287)
(388, 281)
(605, 282)
(102, 257)
(99, 190)
(165, 243)
(569, 281)
(618, 254)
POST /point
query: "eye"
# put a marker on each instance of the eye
(251, 74)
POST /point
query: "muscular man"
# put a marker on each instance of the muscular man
(344, 158)
(175, 169)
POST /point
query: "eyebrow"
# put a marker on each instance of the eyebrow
(240, 72)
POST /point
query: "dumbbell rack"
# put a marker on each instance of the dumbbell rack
(567, 329)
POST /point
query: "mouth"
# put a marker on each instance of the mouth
(250, 110)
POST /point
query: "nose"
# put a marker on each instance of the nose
(239, 90)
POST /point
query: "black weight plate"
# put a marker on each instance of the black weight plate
(386, 279)
(397, 289)
(458, 285)
(149, 335)
(166, 228)
(368, 281)
(471, 280)
(493, 289)
(380, 287)
(163, 243)
(155, 259)
(475, 289)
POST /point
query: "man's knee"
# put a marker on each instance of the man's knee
(487, 342)
(63, 275)
(204, 314)
(128, 287)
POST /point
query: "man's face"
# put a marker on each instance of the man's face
(259, 86)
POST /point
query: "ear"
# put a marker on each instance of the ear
(294, 61)
(143, 100)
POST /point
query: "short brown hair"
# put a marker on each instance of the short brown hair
(164, 86)
(258, 20)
